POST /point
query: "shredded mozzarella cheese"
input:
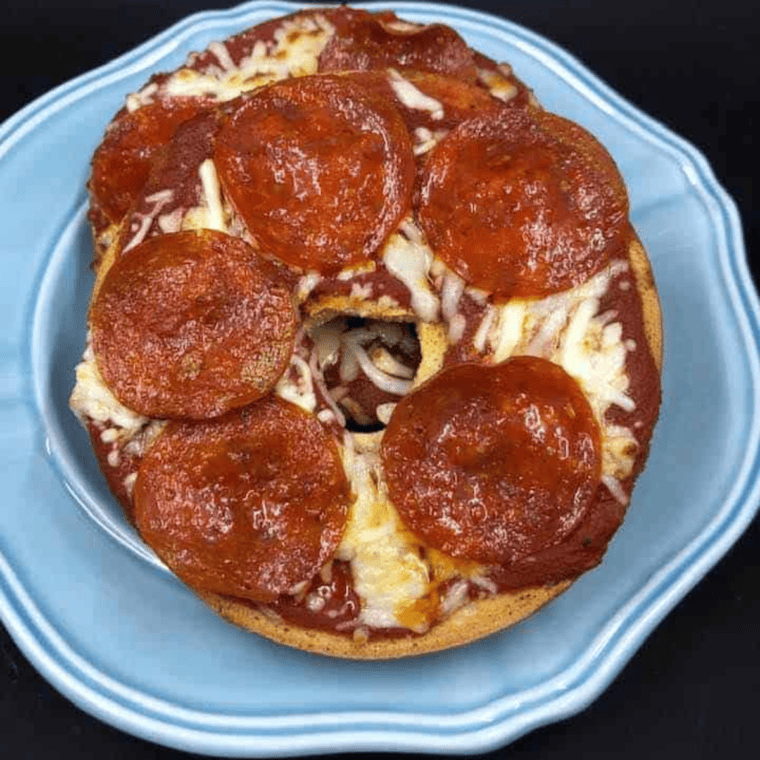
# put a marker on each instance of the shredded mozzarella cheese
(383, 381)
(142, 223)
(91, 399)
(212, 196)
(412, 97)
(387, 570)
(567, 329)
(408, 259)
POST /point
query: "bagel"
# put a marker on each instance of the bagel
(374, 352)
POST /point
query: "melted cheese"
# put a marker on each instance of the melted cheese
(567, 329)
(212, 196)
(213, 213)
(425, 140)
(305, 285)
(395, 576)
(412, 97)
(293, 53)
(219, 49)
(388, 573)
(91, 399)
(387, 363)
(297, 385)
(171, 221)
(381, 379)
(451, 294)
(142, 222)
(408, 258)
(497, 84)
(138, 99)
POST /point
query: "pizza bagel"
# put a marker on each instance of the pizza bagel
(373, 350)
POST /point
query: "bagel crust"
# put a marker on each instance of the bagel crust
(477, 620)
(390, 145)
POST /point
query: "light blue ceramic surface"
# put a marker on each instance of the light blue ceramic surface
(112, 630)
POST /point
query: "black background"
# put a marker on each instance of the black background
(693, 687)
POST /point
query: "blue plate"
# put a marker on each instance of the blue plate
(111, 629)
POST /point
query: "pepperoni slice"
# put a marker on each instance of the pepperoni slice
(522, 204)
(191, 325)
(320, 170)
(249, 505)
(493, 463)
(121, 164)
(433, 101)
(374, 43)
(174, 185)
(241, 46)
(460, 100)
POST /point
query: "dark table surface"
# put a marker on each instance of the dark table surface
(692, 689)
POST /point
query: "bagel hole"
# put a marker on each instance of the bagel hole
(368, 366)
